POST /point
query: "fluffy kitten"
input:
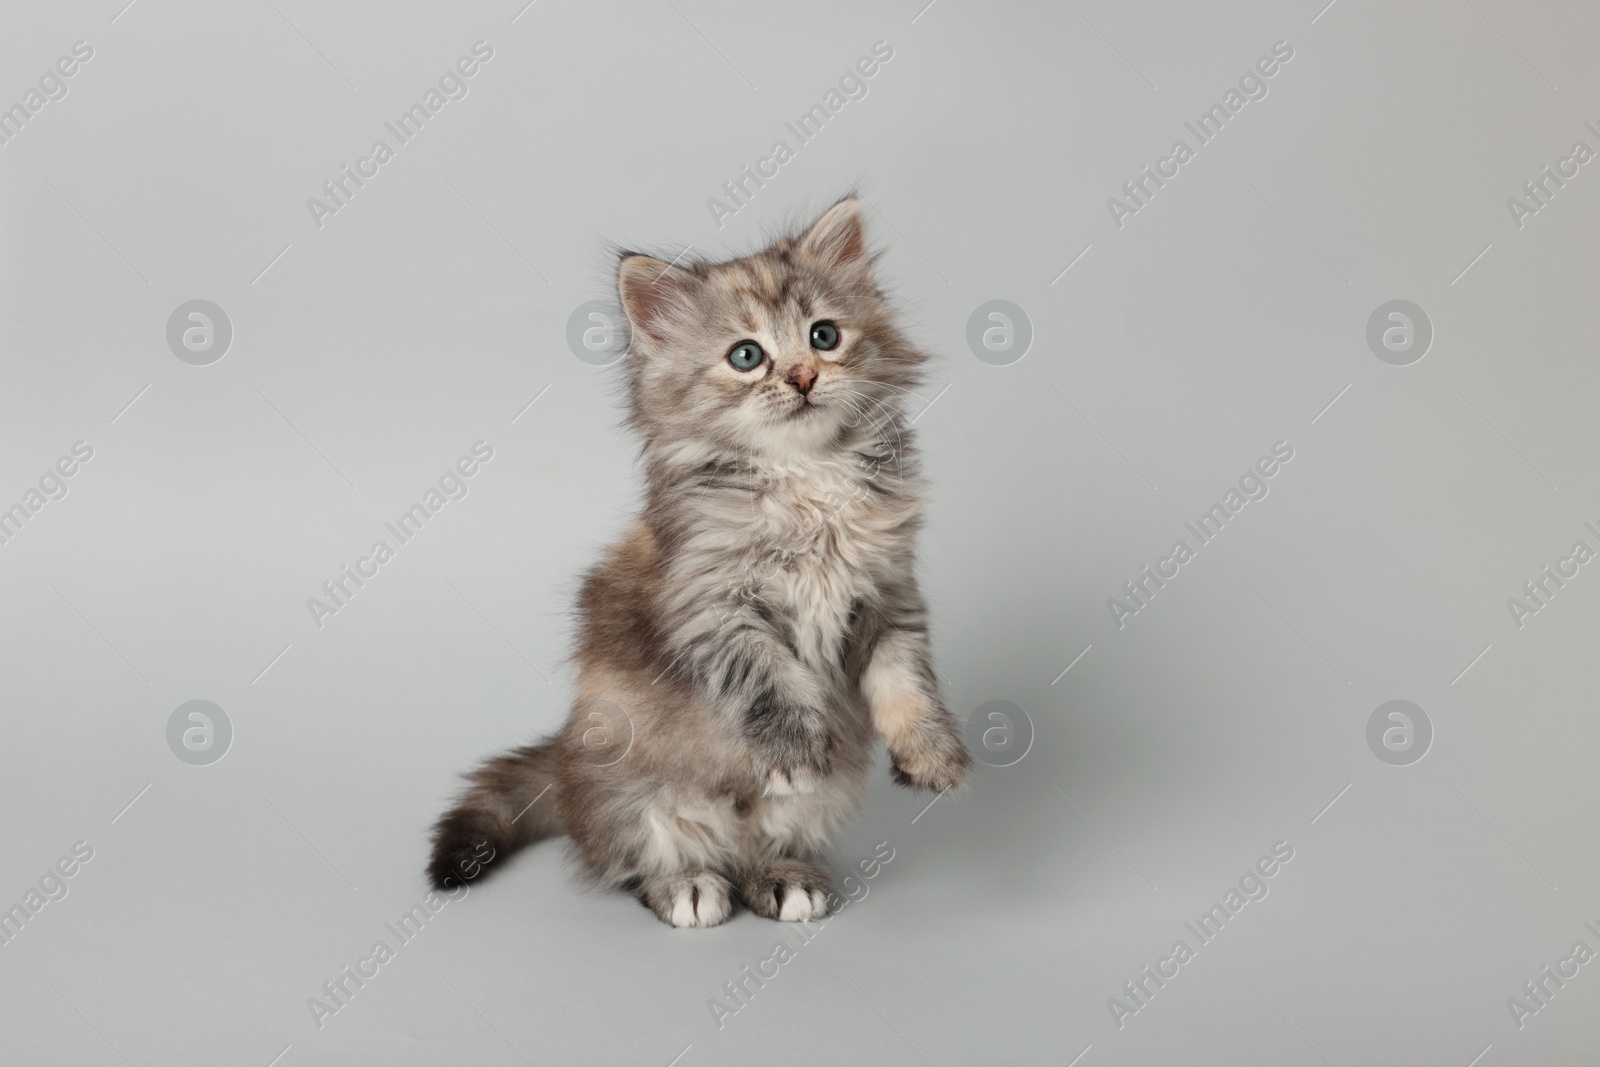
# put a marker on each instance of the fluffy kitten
(760, 620)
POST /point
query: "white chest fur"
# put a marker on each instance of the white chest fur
(819, 539)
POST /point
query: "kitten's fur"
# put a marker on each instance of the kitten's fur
(760, 621)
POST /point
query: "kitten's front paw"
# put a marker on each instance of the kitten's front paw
(790, 747)
(935, 759)
(786, 783)
(796, 776)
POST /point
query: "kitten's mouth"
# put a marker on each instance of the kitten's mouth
(806, 408)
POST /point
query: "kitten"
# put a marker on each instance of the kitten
(760, 621)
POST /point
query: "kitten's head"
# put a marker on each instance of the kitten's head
(783, 353)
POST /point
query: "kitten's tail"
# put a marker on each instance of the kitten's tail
(509, 804)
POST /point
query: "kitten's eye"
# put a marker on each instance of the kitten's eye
(824, 335)
(746, 355)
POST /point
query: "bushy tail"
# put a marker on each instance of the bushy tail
(509, 804)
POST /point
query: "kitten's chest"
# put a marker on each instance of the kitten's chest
(824, 541)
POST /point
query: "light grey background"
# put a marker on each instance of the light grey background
(1225, 316)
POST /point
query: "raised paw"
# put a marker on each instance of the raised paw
(689, 899)
(933, 758)
(786, 890)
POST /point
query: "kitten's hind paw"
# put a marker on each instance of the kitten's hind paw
(688, 899)
(786, 890)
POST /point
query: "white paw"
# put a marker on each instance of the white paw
(783, 784)
(701, 901)
(800, 906)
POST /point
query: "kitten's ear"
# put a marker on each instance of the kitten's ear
(654, 294)
(838, 238)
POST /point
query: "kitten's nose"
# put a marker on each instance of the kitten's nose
(802, 378)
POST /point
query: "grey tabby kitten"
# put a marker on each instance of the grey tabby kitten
(743, 641)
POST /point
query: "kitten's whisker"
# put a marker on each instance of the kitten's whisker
(848, 398)
(887, 385)
(896, 414)
(892, 420)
